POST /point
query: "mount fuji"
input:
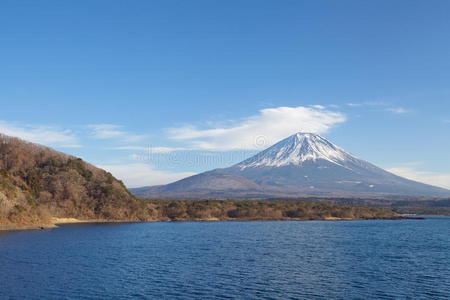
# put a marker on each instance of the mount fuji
(303, 164)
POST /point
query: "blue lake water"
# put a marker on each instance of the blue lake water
(408, 259)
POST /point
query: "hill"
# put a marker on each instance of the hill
(38, 183)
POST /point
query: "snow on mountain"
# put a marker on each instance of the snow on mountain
(297, 149)
(300, 165)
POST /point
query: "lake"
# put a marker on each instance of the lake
(406, 259)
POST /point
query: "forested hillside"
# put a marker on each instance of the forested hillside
(37, 182)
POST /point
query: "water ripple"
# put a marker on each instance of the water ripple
(230, 260)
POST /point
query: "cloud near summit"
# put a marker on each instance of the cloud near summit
(261, 130)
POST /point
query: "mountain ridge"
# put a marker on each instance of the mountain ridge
(302, 164)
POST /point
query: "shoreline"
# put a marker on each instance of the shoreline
(55, 223)
(59, 222)
(12, 227)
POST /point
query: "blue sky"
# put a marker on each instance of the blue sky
(200, 81)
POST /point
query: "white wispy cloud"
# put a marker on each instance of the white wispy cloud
(433, 178)
(398, 110)
(106, 131)
(141, 174)
(113, 131)
(380, 105)
(318, 106)
(367, 103)
(151, 149)
(255, 132)
(137, 148)
(41, 134)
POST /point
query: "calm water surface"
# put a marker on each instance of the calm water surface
(407, 259)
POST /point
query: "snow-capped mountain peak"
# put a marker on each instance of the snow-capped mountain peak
(303, 164)
(297, 149)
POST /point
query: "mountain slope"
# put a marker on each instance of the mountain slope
(303, 164)
(38, 183)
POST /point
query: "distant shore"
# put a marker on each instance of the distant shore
(215, 210)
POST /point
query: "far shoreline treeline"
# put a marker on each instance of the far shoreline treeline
(212, 210)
